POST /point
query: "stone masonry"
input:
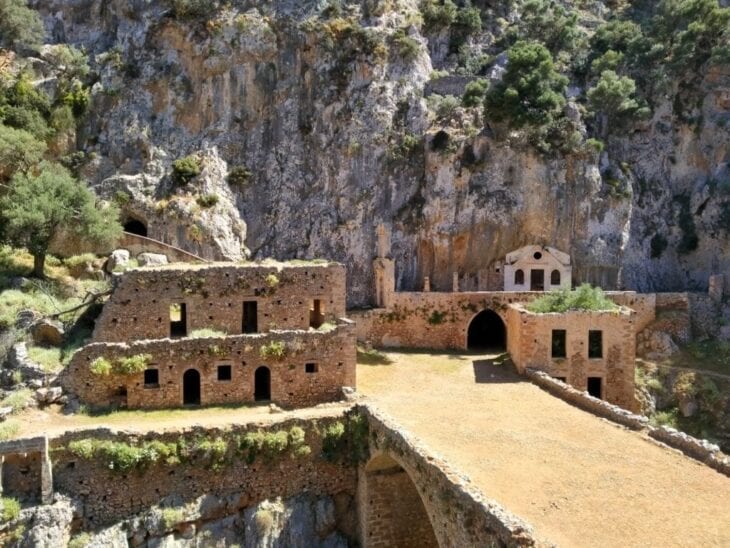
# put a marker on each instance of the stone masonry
(219, 333)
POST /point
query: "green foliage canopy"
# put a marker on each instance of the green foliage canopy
(40, 205)
(531, 92)
(20, 26)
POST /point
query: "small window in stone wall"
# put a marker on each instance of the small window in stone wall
(595, 344)
(558, 344)
(224, 373)
(561, 379)
(151, 378)
(519, 277)
(555, 277)
(311, 367)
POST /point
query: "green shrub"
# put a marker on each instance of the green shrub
(83, 449)
(77, 98)
(191, 9)
(185, 169)
(207, 200)
(438, 15)
(584, 297)
(551, 24)
(239, 176)
(20, 26)
(101, 366)
(333, 440)
(171, 517)
(595, 144)
(272, 281)
(474, 93)
(348, 441)
(11, 509)
(406, 46)
(275, 349)
(531, 92)
(82, 540)
(468, 21)
(614, 96)
(212, 452)
(443, 106)
(132, 364)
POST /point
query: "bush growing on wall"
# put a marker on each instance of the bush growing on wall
(584, 297)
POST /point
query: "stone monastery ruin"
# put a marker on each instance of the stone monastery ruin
(219, 334)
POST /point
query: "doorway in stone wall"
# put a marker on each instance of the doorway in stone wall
(537, 280)
(262, 384)
(487, 332)
(191, 387)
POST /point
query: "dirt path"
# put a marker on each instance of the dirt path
(51, 422)
(579, 480)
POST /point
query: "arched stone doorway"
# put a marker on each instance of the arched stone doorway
(487, 332)
(394, 513)
(135, 226)
(191, 387)
(262, 384)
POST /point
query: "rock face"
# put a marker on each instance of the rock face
(319, 121)
(303, 521)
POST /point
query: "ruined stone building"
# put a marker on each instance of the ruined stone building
(592, 351)
(219, 333)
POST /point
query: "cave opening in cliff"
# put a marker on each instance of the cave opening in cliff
(487, 332)
(135, 226)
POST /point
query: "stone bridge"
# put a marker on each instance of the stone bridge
(408, 497)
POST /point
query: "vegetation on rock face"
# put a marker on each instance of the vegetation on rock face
(10, 509)
(186, 169)
(346, 440)
(123, 366)
(584, 297)
(274, 349)
(20, 26)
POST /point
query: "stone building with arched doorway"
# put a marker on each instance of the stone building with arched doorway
(219, 333)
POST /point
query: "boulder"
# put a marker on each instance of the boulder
(5, 413)
(151, 259)
(48, 395)
(118, 259)
(47, 332)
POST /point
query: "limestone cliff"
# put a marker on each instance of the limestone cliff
(331, 131)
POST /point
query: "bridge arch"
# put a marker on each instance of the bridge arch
(395, 510)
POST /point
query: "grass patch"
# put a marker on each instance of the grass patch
(584, 298)
(80, 541)
(275, 349)
(18, 400)
(9, 430)
(172, 517)
(48, 358)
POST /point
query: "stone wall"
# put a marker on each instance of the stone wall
(108, 496)
(213, 295)
(441, 320)
(331, 355)
(530, 345)
(25, 470)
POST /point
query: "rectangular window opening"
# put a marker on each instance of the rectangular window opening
(558, 344)
(224, 373)
(316, 313)
(178, 320)
(151, 378)
(250, 317)
(595, 386)
(561, 379)
(595, 344)
(311, 367)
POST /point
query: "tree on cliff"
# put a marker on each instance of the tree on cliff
(40, 205)
(20, 26)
